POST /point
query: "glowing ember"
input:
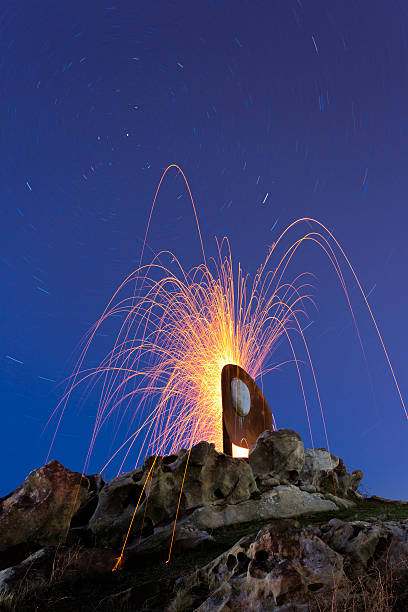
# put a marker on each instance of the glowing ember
(161, 378)
(239, 451)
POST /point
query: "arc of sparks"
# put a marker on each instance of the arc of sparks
(180, 329)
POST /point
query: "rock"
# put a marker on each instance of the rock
(86, 510)
(270, 482)
(356, 477)
(317, 462)
(38, 512)
(328, 473)
(280, 502)
(366, 544)
(213, 479)
(278, 452)
(339, 501)
(133, 597)
(308, 488)
(51, 564)
(116, 504)
(186, 537)
(282, 565)
(34, 571)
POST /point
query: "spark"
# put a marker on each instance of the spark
(178, 330)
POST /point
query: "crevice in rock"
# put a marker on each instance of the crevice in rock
(261, 555)
(231, 562)
(130, 496)
(243, 562)
(84, 514)
(315, 586)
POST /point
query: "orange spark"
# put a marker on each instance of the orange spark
(179, 328)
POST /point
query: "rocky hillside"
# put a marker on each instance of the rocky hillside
(285, 529)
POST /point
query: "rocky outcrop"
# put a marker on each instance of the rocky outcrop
(39, 512)
(61, 528)
(281, 501)
(278, 480)
(328, 473)
(51, 564)
(213, 479)
(285, 567)
(281, 564)
(278, 452)
(366, 543)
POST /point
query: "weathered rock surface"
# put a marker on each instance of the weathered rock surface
(38, 513)
(185, 537)
(281, 564)
(51, 564)
(280, 453)
(365, 543)
(213, 479)
(328, 473)
(283, 501)
(285, 567)
(278, 480)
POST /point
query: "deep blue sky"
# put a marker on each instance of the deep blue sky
(305, 101)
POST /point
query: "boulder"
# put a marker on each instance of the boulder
(51, 564)
(185, 537)
(281, 565)
(328, 473)
(339, 565)
(38, 513)
(213, 479)
(367, 544)
(280, 453)
(282, 501)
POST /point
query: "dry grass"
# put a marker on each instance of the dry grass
(64, 562)
(27, 589)
(379, 590)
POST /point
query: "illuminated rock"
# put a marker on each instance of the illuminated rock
(212, 479)
(280, 453)
(328, 473)
(40, 510)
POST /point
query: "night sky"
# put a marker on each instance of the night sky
(274, 110)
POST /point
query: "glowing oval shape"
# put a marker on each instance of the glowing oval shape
(241, 398)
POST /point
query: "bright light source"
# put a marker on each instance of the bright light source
(239, 451)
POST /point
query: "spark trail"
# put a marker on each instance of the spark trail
(179, 328)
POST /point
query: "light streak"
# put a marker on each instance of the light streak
(177, 331)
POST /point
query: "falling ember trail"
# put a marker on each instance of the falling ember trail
(178, 329)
